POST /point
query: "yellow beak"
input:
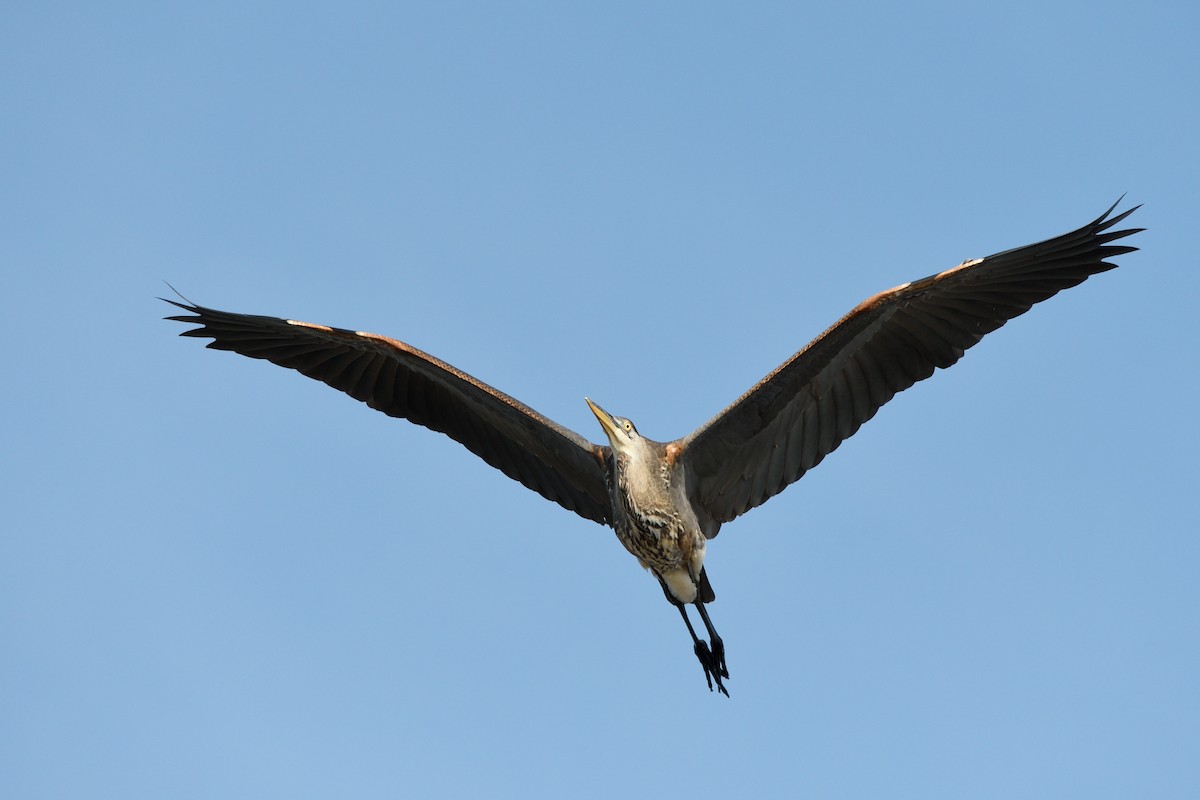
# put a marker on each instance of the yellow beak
(606, 420)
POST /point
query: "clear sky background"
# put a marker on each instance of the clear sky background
(220, 579)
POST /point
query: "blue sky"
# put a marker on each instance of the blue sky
(219, 579)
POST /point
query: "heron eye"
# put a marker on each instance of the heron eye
(628, 425)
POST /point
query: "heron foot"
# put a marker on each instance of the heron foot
(705, 658)
(718, 657)
(713, 664)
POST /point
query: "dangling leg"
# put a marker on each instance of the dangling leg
(712, 666)
(704, 596)
(718, 646)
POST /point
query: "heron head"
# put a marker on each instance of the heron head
(620, 431)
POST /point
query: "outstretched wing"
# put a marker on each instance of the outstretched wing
(802, 411)
(402, 381)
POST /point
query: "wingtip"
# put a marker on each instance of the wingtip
(178, 293)
(187, 302)
(186, 305)
(1107, 220)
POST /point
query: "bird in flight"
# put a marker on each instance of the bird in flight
(665, 500)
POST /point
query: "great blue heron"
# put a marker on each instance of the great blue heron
(665, 500)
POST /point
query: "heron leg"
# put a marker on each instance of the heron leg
(718, 646)
(700, 647)
(708, 662)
